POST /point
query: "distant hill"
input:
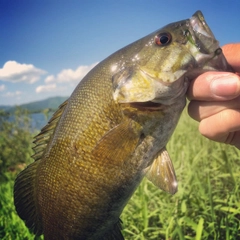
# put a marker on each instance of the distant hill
(38, 106)
(5, 108)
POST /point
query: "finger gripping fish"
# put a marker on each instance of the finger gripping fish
(112, 132)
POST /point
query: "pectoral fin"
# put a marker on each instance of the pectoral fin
(161, 173)
(118, 144)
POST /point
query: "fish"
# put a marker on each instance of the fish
(112, 132)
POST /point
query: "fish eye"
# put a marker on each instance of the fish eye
(163, 39)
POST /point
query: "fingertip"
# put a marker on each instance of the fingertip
(232, 53)
(218, 126)
(225, 86)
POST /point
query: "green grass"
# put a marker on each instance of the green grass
(11, 227)
(206, 206)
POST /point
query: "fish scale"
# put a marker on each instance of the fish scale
(113, 131)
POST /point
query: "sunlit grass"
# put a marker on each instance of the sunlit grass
(206, 206)
(11, 227)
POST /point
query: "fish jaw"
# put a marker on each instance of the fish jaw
(202, 34)
(205, 47)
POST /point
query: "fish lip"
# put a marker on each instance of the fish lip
(202, 34)
(147, 106)
(199, 25)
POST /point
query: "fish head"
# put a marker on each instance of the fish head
(158, 67)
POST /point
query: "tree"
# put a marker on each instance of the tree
(15, 141)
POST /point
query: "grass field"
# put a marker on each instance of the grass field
(206, 206)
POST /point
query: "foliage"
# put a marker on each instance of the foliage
(15, 141)
(11, 227)
(15, 154)
(206, 206)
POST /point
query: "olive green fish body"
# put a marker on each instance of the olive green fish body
(112, 132)
(85, 183)
(100, 160)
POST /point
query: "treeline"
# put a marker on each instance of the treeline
(51, 104)
(15, 142)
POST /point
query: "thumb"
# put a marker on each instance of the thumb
(214, 86)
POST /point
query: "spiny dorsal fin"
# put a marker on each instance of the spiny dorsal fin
(24, 198)
(43, 138)
(161, 173)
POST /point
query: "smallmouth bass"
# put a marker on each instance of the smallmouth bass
(112, 132)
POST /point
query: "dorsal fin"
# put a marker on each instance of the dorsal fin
(43, 138)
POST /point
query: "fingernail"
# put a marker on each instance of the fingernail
(226, 85)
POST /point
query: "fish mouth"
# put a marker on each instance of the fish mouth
(202, 34)
(209, 55)
(199, 25)
(147, 106)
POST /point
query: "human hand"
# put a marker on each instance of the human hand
(215, 101)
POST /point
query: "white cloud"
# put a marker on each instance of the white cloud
(66, 76)
(46, 88)
(69, 75)
(13, 71)
(13, 94)
(2, 87)
(49, 79)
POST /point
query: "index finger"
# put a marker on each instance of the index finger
(232, 54)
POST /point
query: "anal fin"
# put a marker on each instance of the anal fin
(161, 173)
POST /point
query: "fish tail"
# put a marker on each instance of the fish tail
(25, 198)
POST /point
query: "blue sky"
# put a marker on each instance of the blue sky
(47, 46)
